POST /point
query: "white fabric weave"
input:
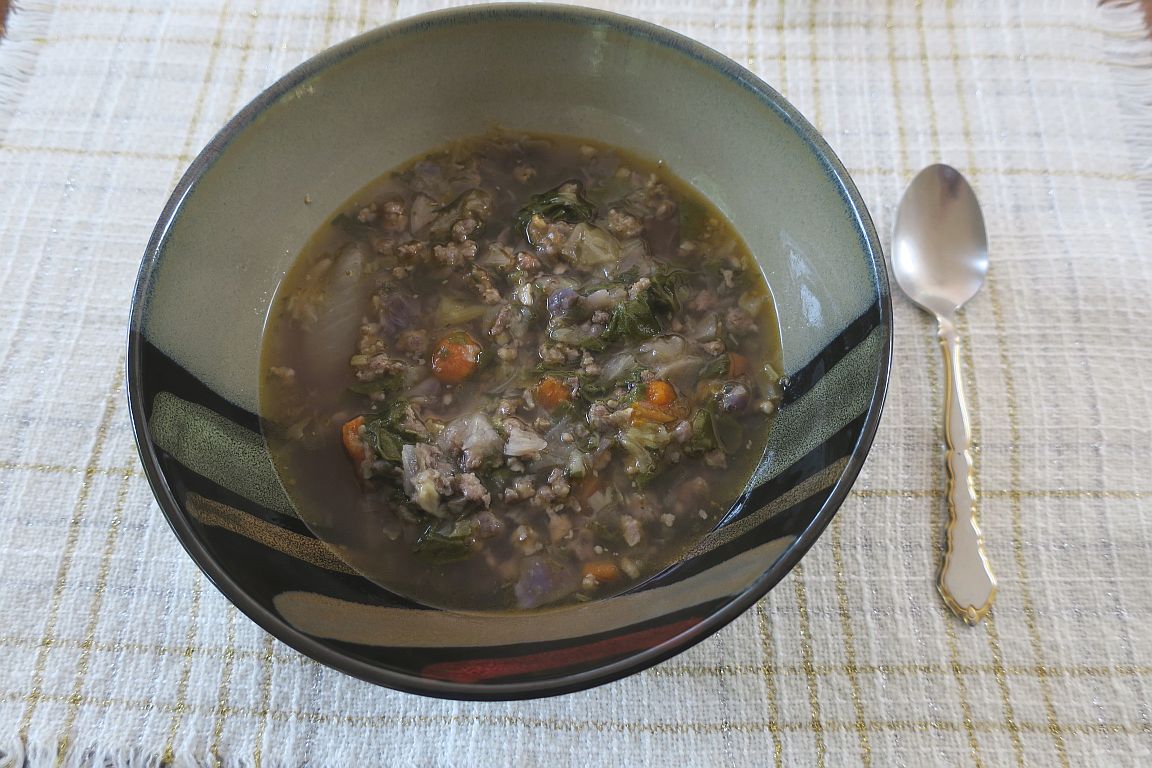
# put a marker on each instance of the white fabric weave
(114, 649)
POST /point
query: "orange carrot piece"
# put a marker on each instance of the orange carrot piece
(737, 364)
(660, 393)
(551, 392)
(644, 412)
(353, 445)
(456, 358)
(604, 571)
(588, 486)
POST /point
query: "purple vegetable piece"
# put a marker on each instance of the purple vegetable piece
(561, 301)
(544, 580)
(734, 397)
(398, 312)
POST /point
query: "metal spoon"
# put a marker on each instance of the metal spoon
(940, 258)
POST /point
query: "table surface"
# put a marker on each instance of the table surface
(115, 647)
(1146, 4)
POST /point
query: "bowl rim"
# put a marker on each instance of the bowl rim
(568, 682)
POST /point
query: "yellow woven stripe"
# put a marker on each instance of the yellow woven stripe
(1004, 493)
(751, 39)
(767, 646)
(578, 725)
(934, 382)
(85, 660)
(830, 23)
(781, 20)
(329, 21)
(56, 469)
(48, 638)
(1014, 470)
(668, 669)
(223, 692)
(265, 713)
(972, 384)
(308, 50)
(846, 618)
(809, 665)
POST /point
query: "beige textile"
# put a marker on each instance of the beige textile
(115, 650)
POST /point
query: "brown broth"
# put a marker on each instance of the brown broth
(313, 330)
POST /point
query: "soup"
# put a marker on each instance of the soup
(519, 372)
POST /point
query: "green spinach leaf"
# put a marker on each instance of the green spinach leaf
(440, 548)
(666, 283)
(632, 320)
(383, 442)
(383, 386)
(703, 437)
(559, 204)
(716, 369)
(387, 431)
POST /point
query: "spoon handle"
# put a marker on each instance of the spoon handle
(966, 580)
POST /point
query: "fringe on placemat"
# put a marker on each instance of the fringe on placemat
(27, 23)
(39, 754)
(44, 755)
(1128, 49)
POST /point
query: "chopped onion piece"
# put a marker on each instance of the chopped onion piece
(590, 246)
(522, 443)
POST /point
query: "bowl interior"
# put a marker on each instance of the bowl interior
(239, 219)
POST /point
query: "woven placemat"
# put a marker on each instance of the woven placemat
(115, 650)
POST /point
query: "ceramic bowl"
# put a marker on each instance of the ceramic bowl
(236, 222)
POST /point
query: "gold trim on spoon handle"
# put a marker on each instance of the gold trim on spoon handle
(966, 581)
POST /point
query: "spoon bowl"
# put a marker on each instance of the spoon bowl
(939, 246)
